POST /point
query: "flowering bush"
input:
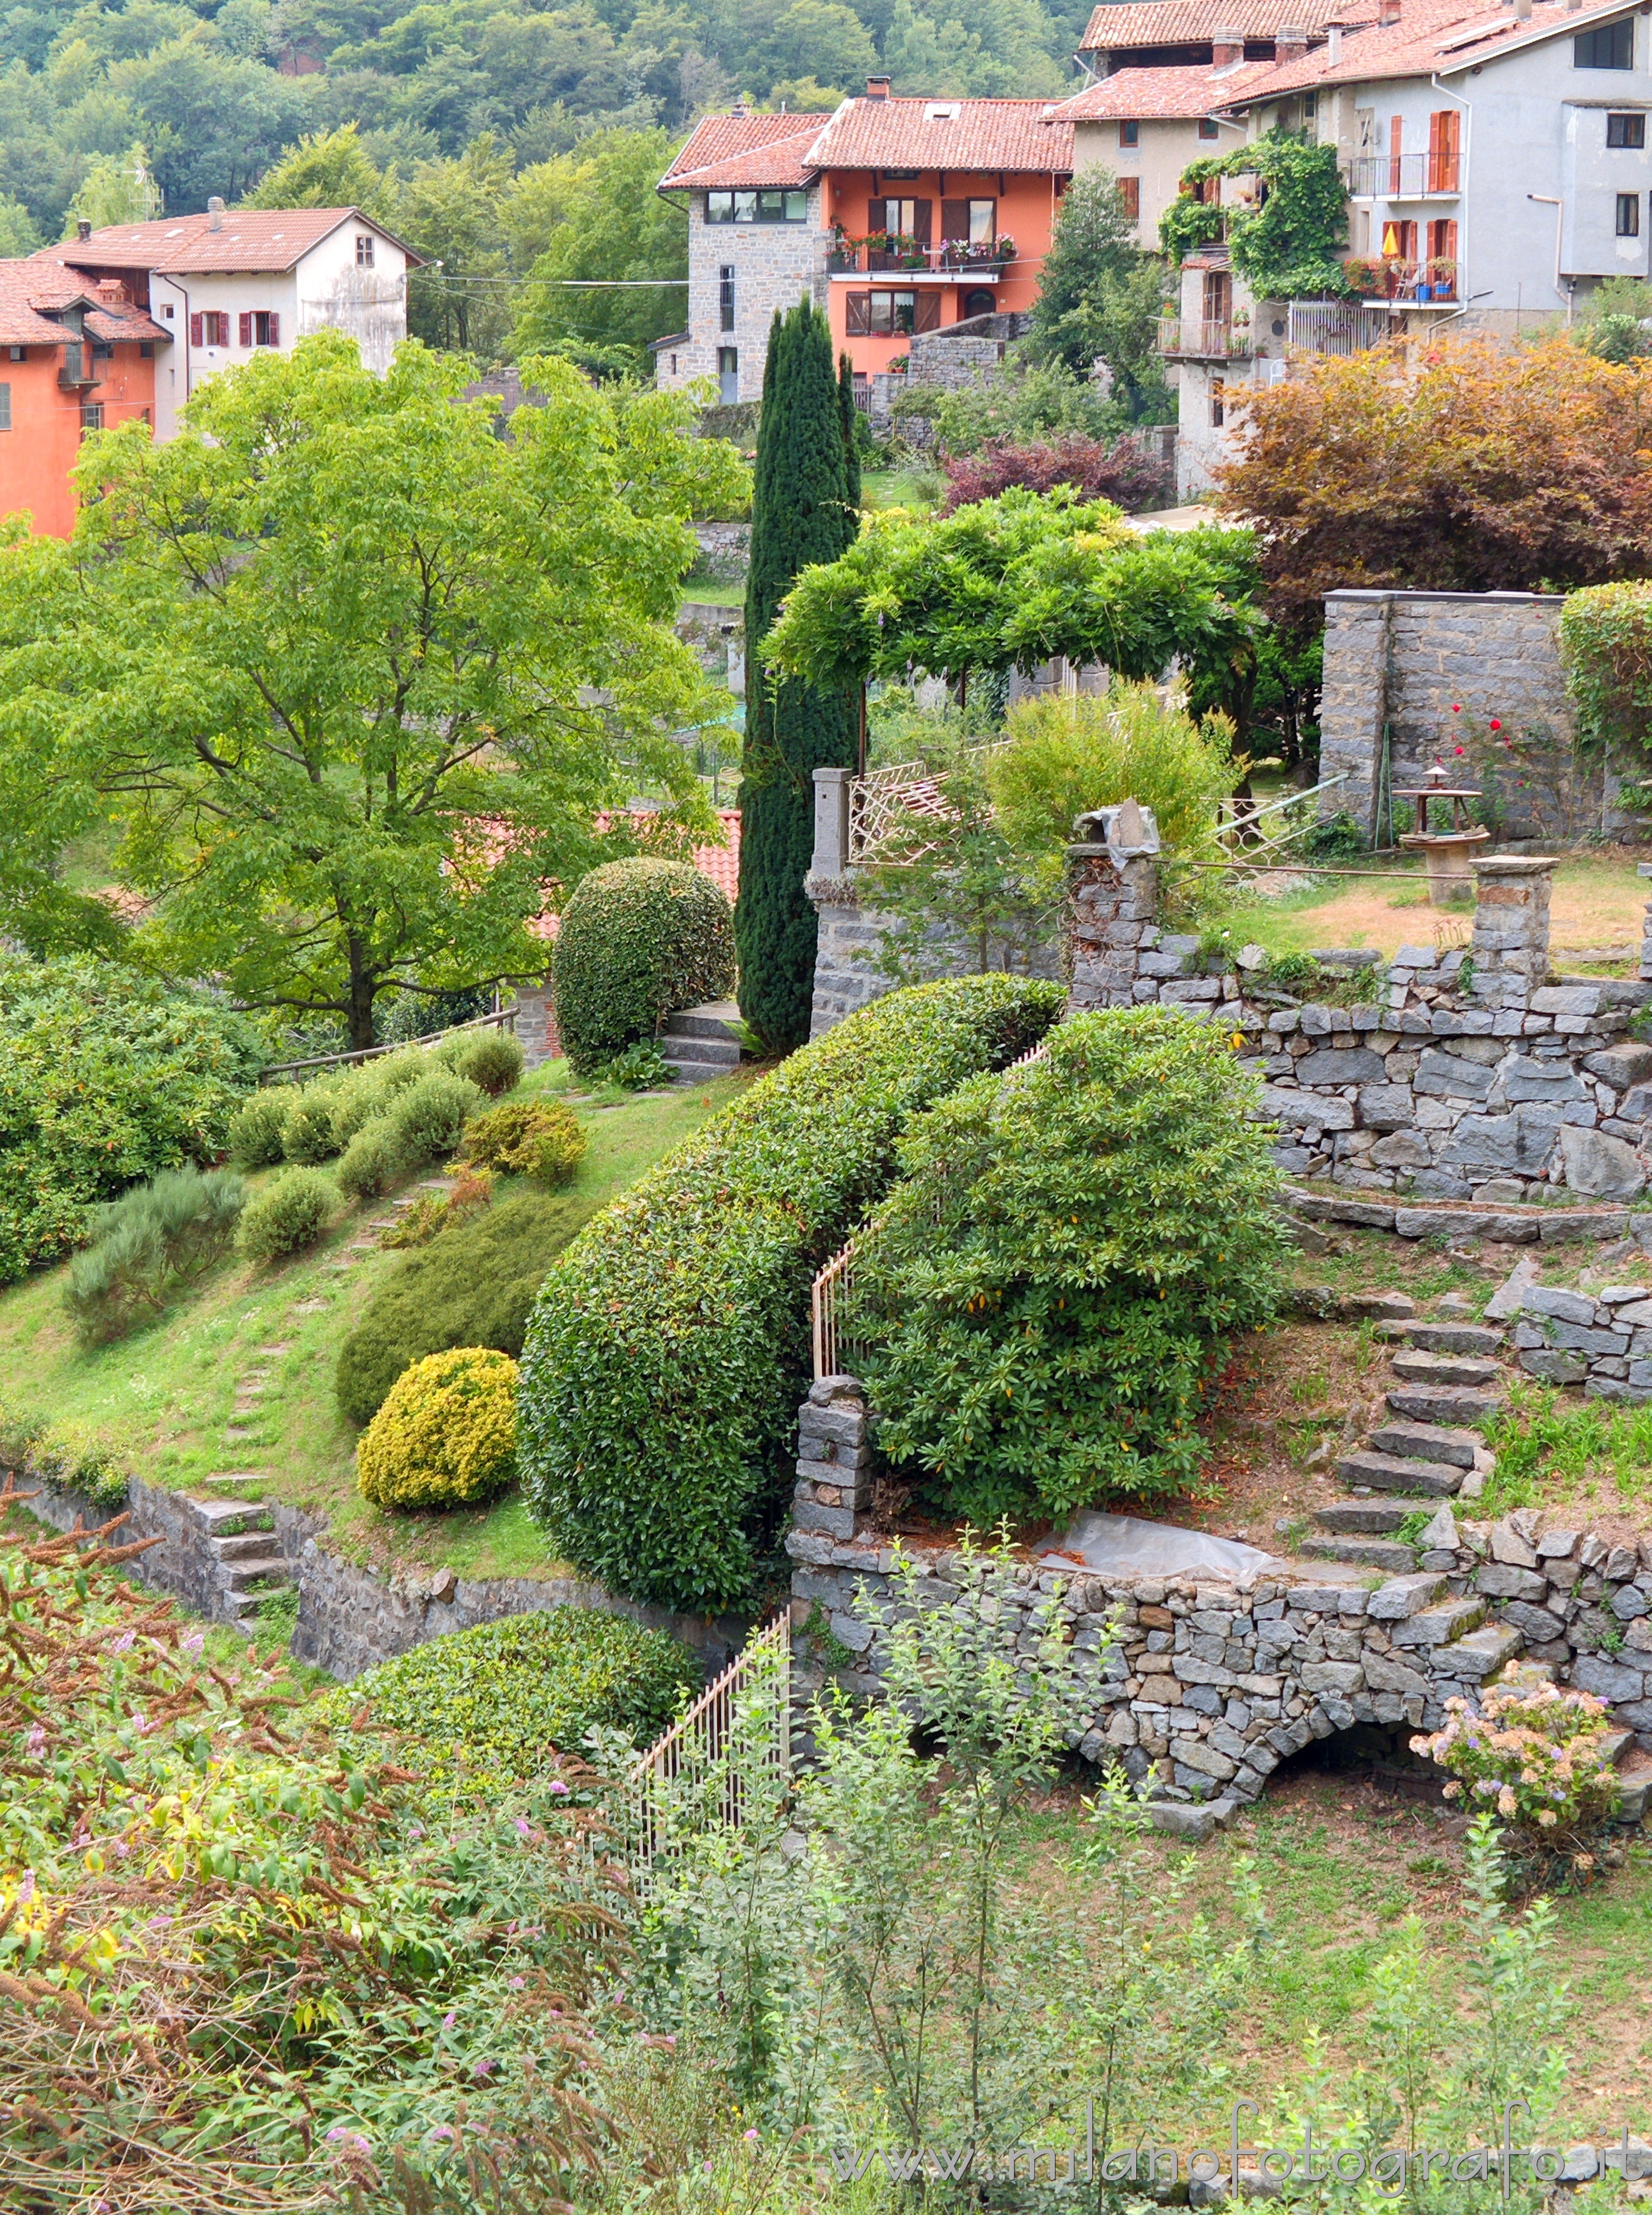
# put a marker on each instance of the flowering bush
(1536, 1753)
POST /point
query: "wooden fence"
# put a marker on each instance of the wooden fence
(733, 1744)
(502, 1019)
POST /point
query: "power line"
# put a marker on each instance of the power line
(578, 284)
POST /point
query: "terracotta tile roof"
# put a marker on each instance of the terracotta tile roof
(1428, 39)
(1189, 89)
(720, 863)
(726, 151)
(956, 135)
(264, 239)
(115, 320)
(1113, 28)
(25, 291)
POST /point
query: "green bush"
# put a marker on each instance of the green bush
(474, 1284)
(537, 1139)
(427, 1121)
(501, 1701)
(668, 1353)
(639, 939)
(164, 1233)
(356, 1099)
(256, 1132)
(287, 1216)
(1043, 1297)
(307, 1135)
(640, 1068)
(372, 1162)
(75, 1457)
(105, 1076)
(492, 1060)
(446, 1434)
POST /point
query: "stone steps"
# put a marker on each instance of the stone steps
(1471, 1338)
(1365, 1519)
(1367, 1552)
(1408, 1440)
(702, 1043)
(1416, 1367)
(250, 1564)
(1382, 1472)
(1451, 1405)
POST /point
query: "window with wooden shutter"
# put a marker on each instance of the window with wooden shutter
(954, 222)
(1396, 126)
(1445, 125)
(859, 314)
(274, 320)
(245, 330)
(921, 211)
(195, 337)
(925, 311)
(1129, 193)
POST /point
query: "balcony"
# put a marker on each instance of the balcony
(1184, 340)
(907, 260)
(1433, 284)
(1434, 176)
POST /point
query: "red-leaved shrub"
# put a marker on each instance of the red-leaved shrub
(1125, 472)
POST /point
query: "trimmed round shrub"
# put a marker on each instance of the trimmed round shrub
(473, 1284)
(287, 1216)
(1043, 1301)
(670, 1347)
(491, 1060)
(307, 1128)
(398, 1072)
(255, 1134)
(372, 1162)
(357, 1101)
(537, 1139)
(428, 1120)
(639, 938)
(498, 1702)
(446, 1434)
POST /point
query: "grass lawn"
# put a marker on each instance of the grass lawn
(919, 488)
(715, 592)
(1595, 903)
(166, 1394)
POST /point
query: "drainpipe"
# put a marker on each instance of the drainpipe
(1548, 199)
(188, 364)
(1464, 174)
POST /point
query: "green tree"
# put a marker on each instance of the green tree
(331, 661)
(326, 168)
(849, 415)
(614, 228)
(1099, 297)
(116, 188)
(453, 212)
(800, 515)
(1288, 244)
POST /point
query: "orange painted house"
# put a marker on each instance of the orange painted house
(76, 356)
(897, 216)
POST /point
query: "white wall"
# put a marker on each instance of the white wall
(1166, 148)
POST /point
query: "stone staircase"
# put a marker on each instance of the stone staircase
(703, 1042)
(244, 1564)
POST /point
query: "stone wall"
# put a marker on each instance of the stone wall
(725, 548)
(1403, 660)
(775, 264)
(1201, 1685)
(534, 1009)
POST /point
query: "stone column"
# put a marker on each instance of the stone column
(831, 855)
(834, 1459)
(1510, 947)
(535, 1009)
(1645, 870)
(1112, 900)
(1354, 702)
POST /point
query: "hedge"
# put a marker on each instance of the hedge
(105, 1078)
(638, 939)
(501, 1701)
(473, 1284)
(668, 1353)
(446, 1433)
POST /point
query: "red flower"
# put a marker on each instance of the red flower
(1456, 707)
(1457, 750)
(1495, 725)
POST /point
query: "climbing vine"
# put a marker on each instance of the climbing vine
(1287, 246)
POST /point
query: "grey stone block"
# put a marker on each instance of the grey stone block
(1608, 1681)
(1446, 1074)
(1555, 1368)
(1403, 1596)
(1341, 1065)
(1556, 1301)
(1385, 1107)
(1598, 1163)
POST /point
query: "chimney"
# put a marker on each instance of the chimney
(878, 87)
(1333, 45)
(1387, 14)
(1290, 42)
(1226, 47)
(82, 228)
(1522, 11)
(214, 213)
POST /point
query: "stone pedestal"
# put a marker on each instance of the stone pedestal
(1112, 907)
(535, 1009)
(1510, 947)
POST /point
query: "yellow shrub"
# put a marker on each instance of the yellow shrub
(446, 1433)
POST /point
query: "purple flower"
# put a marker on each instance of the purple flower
(34, 1744)
(517, 1983)
(337, 2131)
(524, 1828)
(557, 1785)
(750, 2135)
(448, 2020)
(443, 2130)
(482, 2069)
(123, 1641)
(194, 1642)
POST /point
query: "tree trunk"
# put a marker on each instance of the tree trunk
(362, 994)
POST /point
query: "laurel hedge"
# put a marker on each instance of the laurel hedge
(639, 938)
(668, 1352)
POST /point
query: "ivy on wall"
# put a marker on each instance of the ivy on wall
(1285, 246)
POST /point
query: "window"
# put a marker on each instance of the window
(1129, 132)
(728, 374)
(1625, 130)
(209, 328)
(1629, 215)
(1442, 260)
(1445, 145)
(146, 350)
(893, 315)
(963, 223)
(74, 364)
(91, 417)
(1310, 106)
(757, 207)
(167, 310)
(674, 365)
(1218, 398)
(260, 329)
(1129, 195)
(1206, 126)
(979, 302)
(725, 294)
(1611, 46)
(909, 219)
(364, 250)
(5, 407)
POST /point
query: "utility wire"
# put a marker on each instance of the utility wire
(580, 284)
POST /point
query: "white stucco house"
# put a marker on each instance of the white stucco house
(228, 282)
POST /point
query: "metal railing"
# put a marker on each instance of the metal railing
(884, 800)
(1393, 278)
(502, 1019)
(916, 257)
(734, 1743)
(1403, 176)
(833, 1346)
(1332, 327)
(1204, 342)
(1259, 846)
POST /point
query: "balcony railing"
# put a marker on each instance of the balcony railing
(1336, 327)
(910, 257)
(1202, 341)
(1421, 284)
(1405, 176)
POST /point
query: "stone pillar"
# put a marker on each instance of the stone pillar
(1113, 902)
(536, 1032)
(1354, 702)
(1510, 947)
(831, 855)
(834, 1459)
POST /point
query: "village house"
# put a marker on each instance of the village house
(897, 216)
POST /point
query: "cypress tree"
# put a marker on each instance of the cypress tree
(801, 512)
(847, 412)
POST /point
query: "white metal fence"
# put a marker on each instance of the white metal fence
(1335, 328)
(729, 1750)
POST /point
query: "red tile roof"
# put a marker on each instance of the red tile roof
(1432, 36)
(27, 293)
(720, 863)
(1113, 28)
(1189, 89)
(118, 320)
(726, 151)
(264, 239)
(955, 135)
